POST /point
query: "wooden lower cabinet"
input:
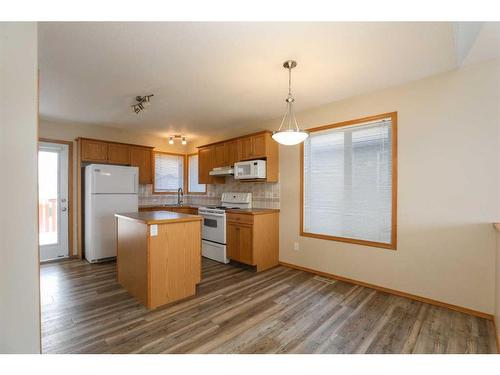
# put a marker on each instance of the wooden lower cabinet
(253, 239)
(239, 242)
(159, 268)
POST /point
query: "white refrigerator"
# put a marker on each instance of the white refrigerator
(109, 189)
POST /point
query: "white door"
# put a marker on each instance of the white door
(53, 200)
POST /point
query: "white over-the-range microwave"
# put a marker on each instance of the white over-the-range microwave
(249, 170)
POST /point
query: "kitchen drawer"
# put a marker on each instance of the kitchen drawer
(239, 218)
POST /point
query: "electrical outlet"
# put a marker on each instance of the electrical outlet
(153, 230)
(296, 246)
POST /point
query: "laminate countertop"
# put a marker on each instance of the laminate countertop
(158, 217)
(166, 206)
(253, 211)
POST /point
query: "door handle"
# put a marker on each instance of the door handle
(64, 209)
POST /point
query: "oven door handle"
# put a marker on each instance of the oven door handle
(211, 214)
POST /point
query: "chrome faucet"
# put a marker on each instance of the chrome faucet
(180, 194)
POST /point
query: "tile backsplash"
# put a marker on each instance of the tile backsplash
(264, 195)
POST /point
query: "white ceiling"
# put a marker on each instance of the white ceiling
(207, 77)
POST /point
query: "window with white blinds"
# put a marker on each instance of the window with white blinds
(347, 179)
(169, 172)
(193, 185)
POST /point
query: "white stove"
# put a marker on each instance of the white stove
(214, 224)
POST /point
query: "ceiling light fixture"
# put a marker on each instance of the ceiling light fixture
(289, 133)
(171, 138)
(142, 102)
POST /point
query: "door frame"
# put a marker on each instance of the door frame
(70, 191)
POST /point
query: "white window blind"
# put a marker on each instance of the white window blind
(193, 185)
(348, 182)
(169, 172)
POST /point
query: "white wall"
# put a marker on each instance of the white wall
(448, 190)
(19, 271)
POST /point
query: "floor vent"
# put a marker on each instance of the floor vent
(325, 280)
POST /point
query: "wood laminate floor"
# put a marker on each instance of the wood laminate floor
(282, 310)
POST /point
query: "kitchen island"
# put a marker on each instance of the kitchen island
(158, 255)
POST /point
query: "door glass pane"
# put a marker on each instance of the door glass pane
(47, 197)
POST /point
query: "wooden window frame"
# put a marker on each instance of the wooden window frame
(184, 169)
(394, 197)
(187, 177)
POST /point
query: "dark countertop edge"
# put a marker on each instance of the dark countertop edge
(254, 211)
(180, 219)
(162, 206)
(251, 211)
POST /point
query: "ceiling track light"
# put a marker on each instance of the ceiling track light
(171, 139)
(142, 102)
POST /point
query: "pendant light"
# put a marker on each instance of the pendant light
(289, 133)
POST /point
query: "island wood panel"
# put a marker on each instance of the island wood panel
(175, 262)
(132, 258)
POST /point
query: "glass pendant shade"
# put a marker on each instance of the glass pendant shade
(289, 133)
(290, 137)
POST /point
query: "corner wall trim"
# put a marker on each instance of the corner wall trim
(497, 336)
(396, 292)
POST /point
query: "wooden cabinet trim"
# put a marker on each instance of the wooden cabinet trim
(236, 138)
(113, 142)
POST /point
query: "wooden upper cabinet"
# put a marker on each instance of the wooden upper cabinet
(207, 162)
(231, 149)
(94, 151)
(245, 148)
(254, 146)
(142, 157)
(118, 154)
(219, 155)
(259, 145)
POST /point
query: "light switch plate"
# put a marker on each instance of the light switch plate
(153, 230)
